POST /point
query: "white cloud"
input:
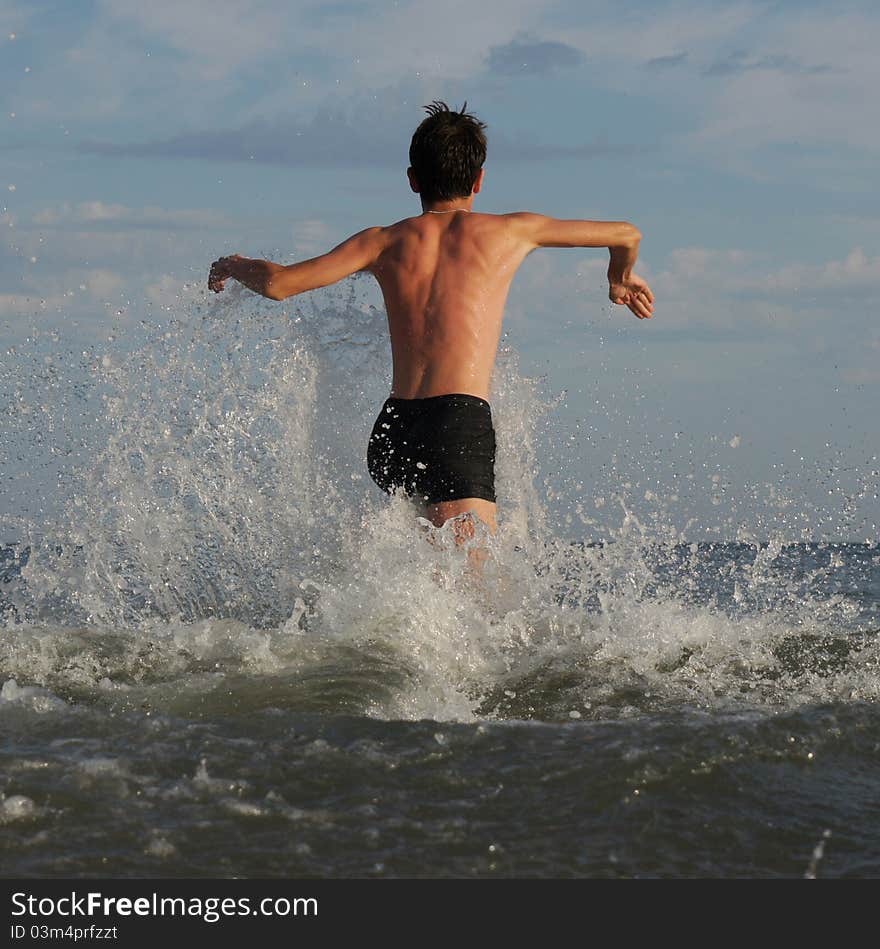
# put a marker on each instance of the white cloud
(563, 287)
(99, 211)
(715, 293)
(216, 37)
(93, 254)
(178, 296)
(701, 269)
(103, 284)
(221, 41)
(706, 265)
(311, 237)
(744, 75)
(663, 32)
(64, 290)
(102, 65)
(421, 38)
(33, 304)
(185, 62)
(854, 273)
(165, 291)
(810, 82)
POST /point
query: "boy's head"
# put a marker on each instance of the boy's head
(447, 152)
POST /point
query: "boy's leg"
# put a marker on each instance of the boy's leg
(438, 514)
(464, 511)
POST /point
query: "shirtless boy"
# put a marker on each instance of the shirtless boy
(444, 275)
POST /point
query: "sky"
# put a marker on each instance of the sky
(139, 141)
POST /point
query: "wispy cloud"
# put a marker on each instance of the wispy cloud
(854, 275)
(246, 58)
(67, 258)
(734, 290)
(741, 271)
(725, 310)
(327, 139)
(666, 62)
(784, 91)
(90, 212)
(31, 304)
(211, 37)
(773, 75)
(312, 237)
(518, 148)
(331, 139)
(524, 56)
(740, 61)
(103, 284)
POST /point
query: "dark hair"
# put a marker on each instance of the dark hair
(447, 152)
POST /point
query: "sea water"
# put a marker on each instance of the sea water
(224, 653)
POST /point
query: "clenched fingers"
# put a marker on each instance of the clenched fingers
(642, 306)
(218, 275)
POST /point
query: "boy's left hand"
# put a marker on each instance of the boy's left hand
(634, 293)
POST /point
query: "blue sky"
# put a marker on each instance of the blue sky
(141, 140)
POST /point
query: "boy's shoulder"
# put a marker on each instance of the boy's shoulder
(417, 221)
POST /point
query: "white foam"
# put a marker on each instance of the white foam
(32, 697)
(226, 551)
(15, 808)
(160, 847)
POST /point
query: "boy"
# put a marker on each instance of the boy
(444, 276)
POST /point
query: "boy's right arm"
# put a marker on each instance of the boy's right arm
(622, 240)
(277, 281)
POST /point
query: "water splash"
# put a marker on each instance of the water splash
(215, 544)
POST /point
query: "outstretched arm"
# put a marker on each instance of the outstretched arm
(621, 239)
(277, 282)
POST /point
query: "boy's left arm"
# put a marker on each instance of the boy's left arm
(277, 282)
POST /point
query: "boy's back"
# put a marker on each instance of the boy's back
(445, 278)
(444, 275)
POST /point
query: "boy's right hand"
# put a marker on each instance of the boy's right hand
(221, 271)
(634, 293)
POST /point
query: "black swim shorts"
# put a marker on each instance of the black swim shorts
(437, 449)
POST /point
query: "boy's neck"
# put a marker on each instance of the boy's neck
(444, 207)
